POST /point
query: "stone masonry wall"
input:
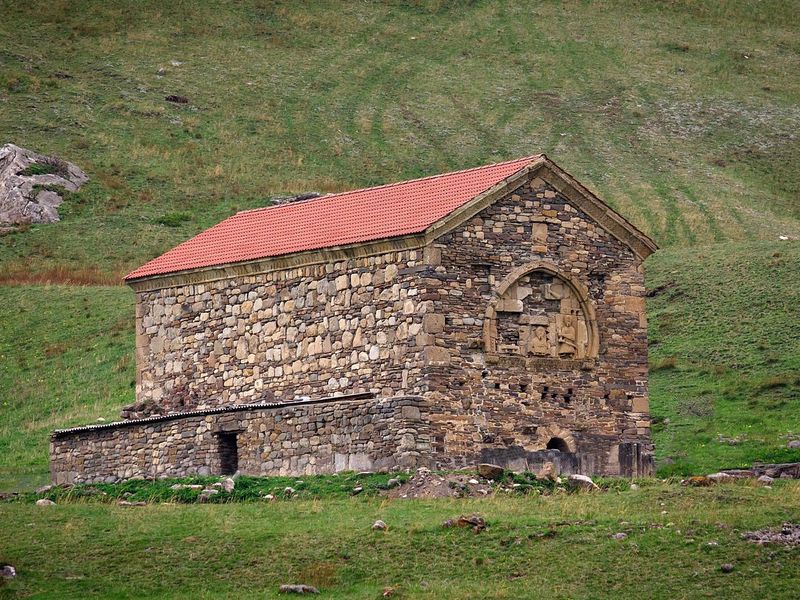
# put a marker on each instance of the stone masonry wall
(504, 403)
(299, 439)
(343, 327)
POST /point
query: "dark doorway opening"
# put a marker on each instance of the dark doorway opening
(557, 443)
(228, 453)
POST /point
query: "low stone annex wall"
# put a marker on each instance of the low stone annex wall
(295, 439)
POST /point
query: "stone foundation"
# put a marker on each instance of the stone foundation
(324, 436)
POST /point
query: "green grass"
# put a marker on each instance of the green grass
(66, 357)
(725, 355)
(681, 114)
(556, 546)
(247, 489)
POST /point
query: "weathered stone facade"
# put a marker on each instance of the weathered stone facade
(347, 326)
(545, 336)
(308, 437)
(518, 322)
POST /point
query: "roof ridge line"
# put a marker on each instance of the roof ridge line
(389, 185)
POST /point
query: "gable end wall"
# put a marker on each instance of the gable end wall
(503, 407)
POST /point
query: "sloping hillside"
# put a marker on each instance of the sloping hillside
(682, 115)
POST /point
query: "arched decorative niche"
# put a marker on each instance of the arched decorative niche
(541, 312)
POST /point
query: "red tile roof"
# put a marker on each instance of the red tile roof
(374, 213)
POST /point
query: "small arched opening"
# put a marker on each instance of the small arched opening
(557, 443)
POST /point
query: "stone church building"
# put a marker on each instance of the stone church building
(494, 314)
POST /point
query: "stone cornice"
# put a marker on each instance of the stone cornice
(279, 263)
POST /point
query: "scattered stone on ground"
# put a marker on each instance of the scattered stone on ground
(490, 471)
(393, 482)
(288, 491)
(298, 589)
(128, 503)
(764, 474)
(186, 486)
(619, 536)
(475, 522)
(357, 490)
(786, 535)
(228, 484)
(794, 444)
(425, 484)
(44, 489)
(44, 502)
(634, 486)
(698, 481)
(206, 494)
(379, 526)
(776, 471)
(269, 497)
(297, 198)
(726, 568)
(582, 482)
(8, 572)
(175, 99)
(32, 185)
(548, 471)
(388, 592)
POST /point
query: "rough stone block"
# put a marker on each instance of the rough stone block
(435, 355)
(433, 323)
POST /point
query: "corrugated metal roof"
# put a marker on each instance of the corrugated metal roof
(368, 214)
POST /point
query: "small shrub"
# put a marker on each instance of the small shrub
(17, 85)
(39, 169)
(174, 219)
(664, 364)
(675, 47)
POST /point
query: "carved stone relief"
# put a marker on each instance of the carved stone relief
(541, 315)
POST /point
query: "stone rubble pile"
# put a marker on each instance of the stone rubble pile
(786, 535)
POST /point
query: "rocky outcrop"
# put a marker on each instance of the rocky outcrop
(32, 185)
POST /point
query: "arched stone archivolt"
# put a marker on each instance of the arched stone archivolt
(556, 438)
(541, 312)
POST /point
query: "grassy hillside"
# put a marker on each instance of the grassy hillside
(683, 115)
(725, 355)
(535, 547)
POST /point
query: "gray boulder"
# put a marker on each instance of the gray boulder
(490, 471)
(31, 185)
(581, 482)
